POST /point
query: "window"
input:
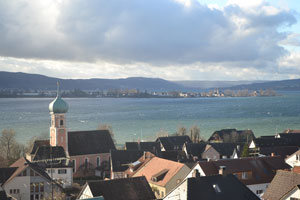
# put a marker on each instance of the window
(51, 171)
(62, 171)
(37, 197)
(31, 187)
(32, 197)
(36, 187)
(98, 161)
(15, 191)
(74, 165)
(24, 173)
(86, 160)
(293, 198)
(61, 122)
(10, 191)
(41, 187)
(259, 191)
(244, 175)
(61, 139)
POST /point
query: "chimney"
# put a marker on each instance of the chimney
(196, 174)
(222, 170)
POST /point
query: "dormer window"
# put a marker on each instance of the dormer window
(159, 176)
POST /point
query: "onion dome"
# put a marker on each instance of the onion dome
(58, 105)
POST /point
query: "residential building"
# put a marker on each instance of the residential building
(171, 143)
(216, 151)
(163, 175)
(29, 182)
(217, 187)
(55, 160)
(141, 146)
(232, 136)
(294, 159)
(136, 188)
(255, 173)
(293, 194)
(120, 160)
(282, 185)
(194, 151)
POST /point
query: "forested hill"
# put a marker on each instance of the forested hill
(18, 80)
(284, 85)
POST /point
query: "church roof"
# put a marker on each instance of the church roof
(89, 142)
(58, 105)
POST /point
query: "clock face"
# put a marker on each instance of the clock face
(61, 131)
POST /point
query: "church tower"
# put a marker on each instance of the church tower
(58, 131)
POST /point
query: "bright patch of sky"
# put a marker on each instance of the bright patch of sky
(170, 39)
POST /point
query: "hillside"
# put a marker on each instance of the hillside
(284, 85)
(18, 80)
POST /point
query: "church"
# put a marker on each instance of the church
(86, 150)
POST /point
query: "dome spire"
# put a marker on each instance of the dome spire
(57, 92)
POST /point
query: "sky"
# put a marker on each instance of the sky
(170, 39)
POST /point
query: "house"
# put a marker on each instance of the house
(134, 166)
(120, 160)
(293, 194)
(174, 155)
(255, 173)
(278, 145)
(29, 181)
(171, 143)
(294, 159)
(87, 149)
(194, 151)
(136, 188)
(56, 163)
(162, 175)
(215, 151)
(282, 185)
(217, 187)
(232, 135)
(141, 146)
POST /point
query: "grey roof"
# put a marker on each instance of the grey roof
(271, 142)
(121, 158)
(136, 188)
(195, 149)
(174, 155)
(229, 186)
(232, 135)
(173, 142)
(282, 151)
(263, 168)
(49, 152)
(143, 146)
(37, 144)
(282, 183)
(89, 142)
(5, 173)
(225, 149)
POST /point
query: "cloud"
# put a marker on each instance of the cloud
(145, 35)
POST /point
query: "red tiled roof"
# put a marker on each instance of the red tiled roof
(155, 165)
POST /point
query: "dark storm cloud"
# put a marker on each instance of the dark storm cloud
(158, 32)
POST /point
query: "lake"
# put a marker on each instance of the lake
(134, 118)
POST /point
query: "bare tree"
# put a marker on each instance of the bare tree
(10, 149)
(181, 130)
(195, 133)
(162, 133)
